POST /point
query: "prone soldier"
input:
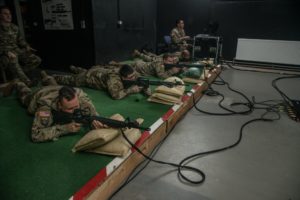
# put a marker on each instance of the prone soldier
(104, 79)
(47, 101)
(179, 56)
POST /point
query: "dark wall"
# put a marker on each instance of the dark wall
(61, 48)
(137, 31)
(259, 19)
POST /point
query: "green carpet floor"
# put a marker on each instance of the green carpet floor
(49, 170)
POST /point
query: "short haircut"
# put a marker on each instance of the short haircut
(126, 70)
(166, 55)
(178, 20)
(66, 92)
(4, 7)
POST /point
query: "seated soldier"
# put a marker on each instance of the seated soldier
(178, 36)
(45, 101)
(104, 79)
(180, 56)
(15, 53)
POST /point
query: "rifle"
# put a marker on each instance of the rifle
(144, 82)
(78, 116)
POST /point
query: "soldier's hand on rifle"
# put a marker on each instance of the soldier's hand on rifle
(175, 70)
(73, 127)
(135, 89)
(184, 69)
(97, 124)
(147, 91)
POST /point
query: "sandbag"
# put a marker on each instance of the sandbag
(166, 95)
(166, 98)
(98, 137)
(116, 145)
(95, 138)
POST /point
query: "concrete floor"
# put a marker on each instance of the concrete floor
(264, 166)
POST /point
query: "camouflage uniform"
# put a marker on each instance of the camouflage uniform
(11, 41)
(176, 34)
(97, 77)
(151, 57)
(152, 69)
(42, 103)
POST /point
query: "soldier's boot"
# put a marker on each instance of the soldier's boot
(23, 92)
(76, 70)
(136, 53)
(7, 88)
(65, 79)
(47, 80)
(114, 63)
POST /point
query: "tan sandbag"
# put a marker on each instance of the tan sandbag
(204, 74)
(175, 79)
(95, 138)
(118, 146)
(191, 80)
(176, 91)
(170, 91)
(165, 98)
(98, 137)
(152, 99)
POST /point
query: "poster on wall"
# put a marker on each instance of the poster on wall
(57, 14)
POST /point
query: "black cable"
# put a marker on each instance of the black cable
(182, 164)
(249, 105)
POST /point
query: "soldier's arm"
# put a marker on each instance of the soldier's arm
(175, 37)
(116, 88)
(87, 104)
(43, 128)
(161, 72)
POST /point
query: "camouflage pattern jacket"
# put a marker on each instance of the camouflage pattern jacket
(10, 39)
(176, 34)
(42, 104)
(156, 69)
(108, 79)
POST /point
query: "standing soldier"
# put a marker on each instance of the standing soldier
(178, 35)
(101, 78)
(15, 53)
(44, 102)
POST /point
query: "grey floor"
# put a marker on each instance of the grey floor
(264, 166)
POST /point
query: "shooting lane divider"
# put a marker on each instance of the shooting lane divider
(102, 175)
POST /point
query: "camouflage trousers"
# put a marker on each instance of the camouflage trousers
(77, 79)
(25, 94)
(24, 62)
(150, 58)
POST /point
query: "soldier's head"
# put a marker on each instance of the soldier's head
(5, 15)
(67, 99)
(180, 23)
(127, 73)
(168, 58)
(186, 55)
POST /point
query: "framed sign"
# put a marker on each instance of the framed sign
(57, 14)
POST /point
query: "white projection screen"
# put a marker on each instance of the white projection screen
(268, 51)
